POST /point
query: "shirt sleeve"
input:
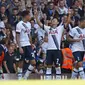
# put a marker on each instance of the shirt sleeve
(71, 33)
(18, 28)
(47, 28)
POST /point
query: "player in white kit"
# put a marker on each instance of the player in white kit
(23, 30)
(77, 38)
(54, 54)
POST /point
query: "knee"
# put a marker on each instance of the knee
(33, 62)
(20, 64)
(80, 64)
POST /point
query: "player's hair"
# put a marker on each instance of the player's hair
(25, 13)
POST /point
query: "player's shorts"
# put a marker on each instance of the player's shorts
(78, 56)
(28, 53)
(54, 56)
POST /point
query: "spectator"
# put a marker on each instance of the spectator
(9, 35)
(4, 3)
(51, 12)
(2, 54)
(14, 19)
(34, 28)
(9, 62)
(62, 9)
(3, 12)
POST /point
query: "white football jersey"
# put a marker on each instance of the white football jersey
(57, 32)
(24, 32)
(77, 46)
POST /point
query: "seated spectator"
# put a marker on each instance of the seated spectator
(9, 62)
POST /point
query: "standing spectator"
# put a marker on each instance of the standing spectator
(69, 3)
(43, 7)
(4, 3)
(80, 8)
(34, 28)
(9, 35)
(51, 12)
(14, 19)
(62, 9)
(3, 12)
(15, 4)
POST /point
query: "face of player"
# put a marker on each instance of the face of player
(54, 22)
(28, 17)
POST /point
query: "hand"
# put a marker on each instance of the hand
(21, 50)
(35, 13)
(69, 11)
(78, 40)
(27, 61)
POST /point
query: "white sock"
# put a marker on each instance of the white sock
(19, 73)
(48, 74)
(58, 73)
(74, 73)
(28, 72)
(0, 74)
(81, 73)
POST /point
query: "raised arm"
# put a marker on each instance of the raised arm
(38, 21)
(69, 18)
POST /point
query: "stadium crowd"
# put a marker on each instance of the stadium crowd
(25, 42)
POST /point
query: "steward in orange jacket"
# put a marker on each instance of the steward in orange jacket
(67, 58)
